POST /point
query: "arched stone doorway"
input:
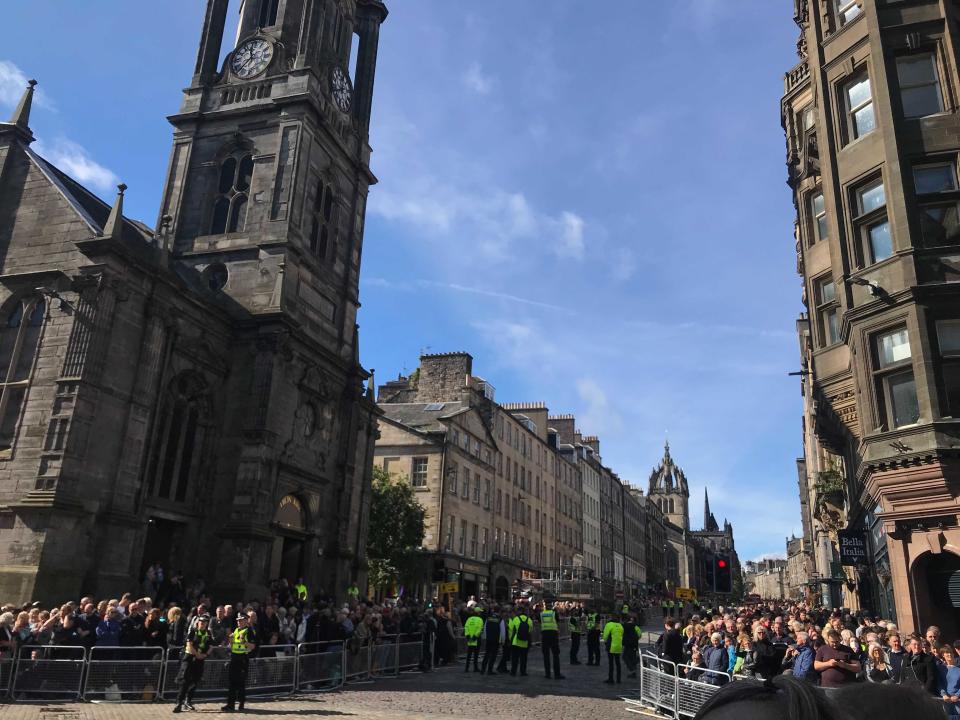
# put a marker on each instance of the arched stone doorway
(502, 590)
(290, 522)
(936, 588)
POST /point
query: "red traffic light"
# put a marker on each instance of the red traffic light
(721, 563)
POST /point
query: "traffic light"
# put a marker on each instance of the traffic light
(710, 574)
(723, 576)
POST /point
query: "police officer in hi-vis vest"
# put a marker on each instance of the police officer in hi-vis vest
(240, 649)
(191, 664)
(593, 639)
(576, 620)
(550, 640)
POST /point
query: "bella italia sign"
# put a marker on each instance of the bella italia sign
(853, 547)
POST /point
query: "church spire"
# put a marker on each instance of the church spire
(706, 510)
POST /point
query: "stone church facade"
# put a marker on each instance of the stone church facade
(193, 394)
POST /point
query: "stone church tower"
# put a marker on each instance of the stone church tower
(668, 489)
(193, 395)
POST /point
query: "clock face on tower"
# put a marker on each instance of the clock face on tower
(251, 58)
(340, 88)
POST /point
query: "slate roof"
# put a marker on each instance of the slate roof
(92, 209)
(417, 417)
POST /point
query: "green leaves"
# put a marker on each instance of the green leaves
(396, 529)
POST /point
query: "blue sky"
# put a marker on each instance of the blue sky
(592, 205)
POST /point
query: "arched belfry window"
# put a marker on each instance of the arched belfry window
(177, 452)
(19, 338)
(323, 228)
(268, 13)
(233, 189)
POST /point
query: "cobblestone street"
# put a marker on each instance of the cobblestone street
(443, 694)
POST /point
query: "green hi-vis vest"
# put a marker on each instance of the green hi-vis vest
(238, 642)
(574, 625)
(202, 641)
(301, 591)
(548, 620)
(592, 619)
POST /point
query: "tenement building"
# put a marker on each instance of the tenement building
(873, 136)
(191, 394)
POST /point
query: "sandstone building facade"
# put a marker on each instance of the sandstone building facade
(197, 387)
(873, 136)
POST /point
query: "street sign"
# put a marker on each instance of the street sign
(618, 594)
(685, 593)
(450, 587)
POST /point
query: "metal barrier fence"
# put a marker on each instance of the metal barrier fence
(115, 674)
(49, 673)
(666, 687)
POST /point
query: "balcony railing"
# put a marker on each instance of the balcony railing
(799, 74)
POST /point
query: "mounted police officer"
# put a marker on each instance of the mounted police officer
(240, 649)
(550, 640)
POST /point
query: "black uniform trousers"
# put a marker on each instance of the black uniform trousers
(613, 659)
(550, 644)
(490, 649)
(191, 673)
(473, 652)
(506, 657)
(593, 647)
(519, 659)
(574, 648)
(237, 679)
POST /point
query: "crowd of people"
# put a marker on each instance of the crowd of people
(828, 648)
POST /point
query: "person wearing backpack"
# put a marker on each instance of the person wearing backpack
(522, 632)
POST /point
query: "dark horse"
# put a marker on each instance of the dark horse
(785, 698)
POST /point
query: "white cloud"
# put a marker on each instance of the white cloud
(475, 79)
(496, 295)
(599, 417)
(495, 222)
(770, 556)
(13, 81)
(76, 162)
(571, 236)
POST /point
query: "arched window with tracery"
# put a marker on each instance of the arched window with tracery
(233, 190)
(19, 338)
(176, 456)
(323, 228)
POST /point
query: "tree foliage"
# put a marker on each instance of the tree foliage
(396, 529)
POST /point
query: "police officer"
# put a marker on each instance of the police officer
(593, 639)
(491, 641)
(240, 649)
(191, 665)
(613, 638)
(472, 630)
(550, 640)
(507, 637)
(575, 630)
(301, 590)
(520, 636)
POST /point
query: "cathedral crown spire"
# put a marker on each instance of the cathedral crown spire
(21, 116)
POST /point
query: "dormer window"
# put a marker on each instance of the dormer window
(233, 187)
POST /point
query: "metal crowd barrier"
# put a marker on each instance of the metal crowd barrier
(320, 667)
(115, 674)
(127, 673)
(49, 673)
(691, 694)
(384, 660)
(6, 675)
(664, 687)
(356, 662)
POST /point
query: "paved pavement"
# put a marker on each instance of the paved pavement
(444, 694)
